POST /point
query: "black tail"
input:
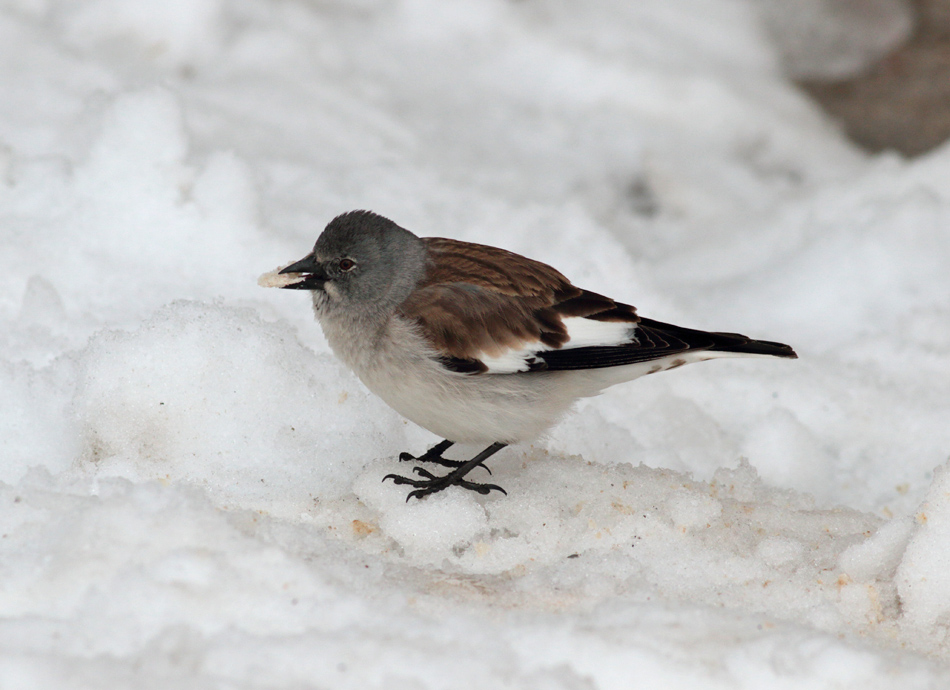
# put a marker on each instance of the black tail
(656, 340)
(716, 342)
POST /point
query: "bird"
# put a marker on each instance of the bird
(477, 344)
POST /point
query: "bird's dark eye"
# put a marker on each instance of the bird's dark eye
(347, 265)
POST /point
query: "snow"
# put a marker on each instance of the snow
(190, 490)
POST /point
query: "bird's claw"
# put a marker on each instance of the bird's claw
(433, 484)
(483, 489)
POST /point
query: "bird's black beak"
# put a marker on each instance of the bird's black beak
(311, 271)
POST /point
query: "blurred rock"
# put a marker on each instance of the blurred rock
(835, 39)
(903, 101)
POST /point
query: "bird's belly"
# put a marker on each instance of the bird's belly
(465, 408)
(469, 408)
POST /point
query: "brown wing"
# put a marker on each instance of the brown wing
(497, 270)
(478, 302)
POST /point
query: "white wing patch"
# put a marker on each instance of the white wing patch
(511, 361)
(588, 332)
(583, 333)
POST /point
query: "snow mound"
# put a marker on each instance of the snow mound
(212, 396)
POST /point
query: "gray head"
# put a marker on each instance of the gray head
(361, 262)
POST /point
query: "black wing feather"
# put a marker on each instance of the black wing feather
(656, 340)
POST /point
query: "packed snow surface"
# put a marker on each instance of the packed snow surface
(191, 492)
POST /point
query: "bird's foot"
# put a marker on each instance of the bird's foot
(430, 483)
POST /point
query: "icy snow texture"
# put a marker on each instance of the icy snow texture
(190, 490)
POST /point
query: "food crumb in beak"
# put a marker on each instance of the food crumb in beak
(276, 279)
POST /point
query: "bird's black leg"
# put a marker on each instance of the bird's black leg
(434, 454)
(431, 483)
